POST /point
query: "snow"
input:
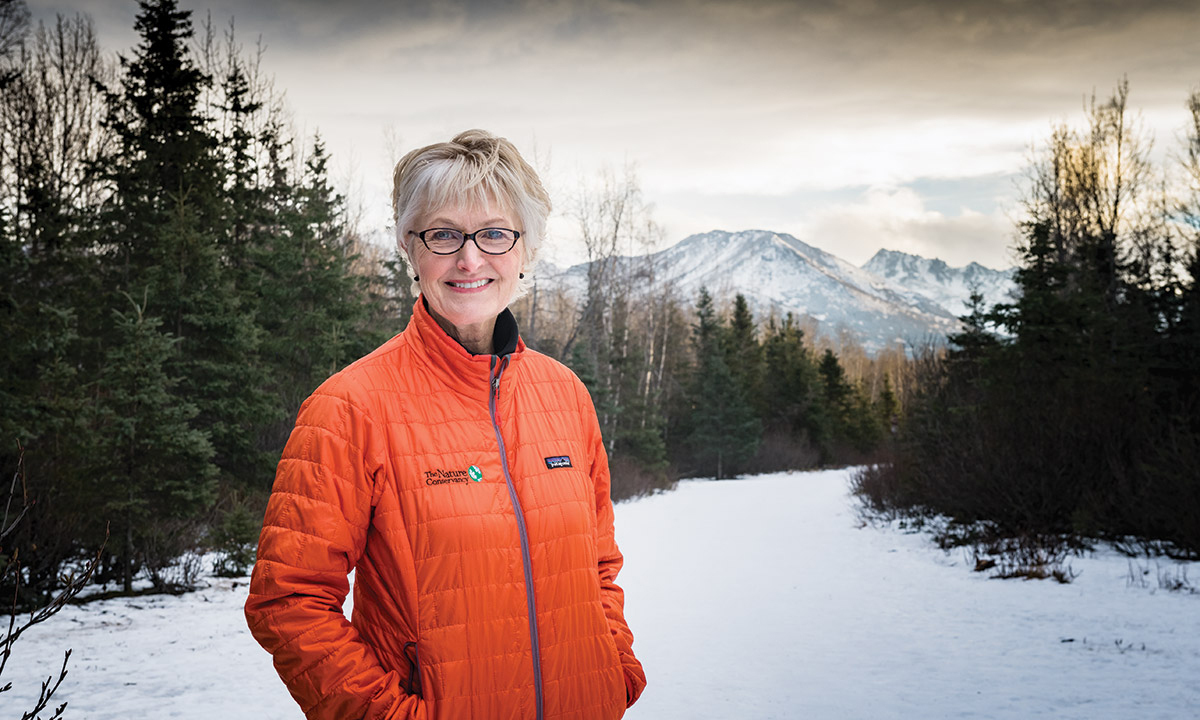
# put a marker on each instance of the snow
(949, 287)
(764, 597)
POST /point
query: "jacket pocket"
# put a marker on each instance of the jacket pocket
(414, 669)
(616, 673)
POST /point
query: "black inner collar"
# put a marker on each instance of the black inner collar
(504, 337)
(505, 334)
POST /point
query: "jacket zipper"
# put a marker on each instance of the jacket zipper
(414, 669)
(496, 372)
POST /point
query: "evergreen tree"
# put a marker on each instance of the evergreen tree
(49, 280)
(792, 384)
(975, 341)
(313, 308)
(887, 407)
(1080, 420)
(247, 211)
(151, 465)
(155, 183)
(724, 430)
(170, 235)
(855, 425)
(744, 354)
(391, 296)
(837, 395)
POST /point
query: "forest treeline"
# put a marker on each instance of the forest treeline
(1073, 412)
(178, 272)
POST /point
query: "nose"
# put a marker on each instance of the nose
(469, 257)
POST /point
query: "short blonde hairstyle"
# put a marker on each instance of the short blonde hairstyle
(475, 168)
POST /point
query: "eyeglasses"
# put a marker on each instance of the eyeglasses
(447, 241)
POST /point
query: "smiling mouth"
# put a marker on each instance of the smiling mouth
(469, 285)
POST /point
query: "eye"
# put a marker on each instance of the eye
(493, 234)
(441, 234)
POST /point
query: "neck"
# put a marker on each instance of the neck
(477, 338)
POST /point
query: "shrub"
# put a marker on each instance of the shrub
(235, 537)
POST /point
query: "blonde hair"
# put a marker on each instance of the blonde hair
(475, 169)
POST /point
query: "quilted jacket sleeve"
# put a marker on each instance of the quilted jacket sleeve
(313, 534)
(610, 560)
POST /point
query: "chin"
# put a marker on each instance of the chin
(463, 312)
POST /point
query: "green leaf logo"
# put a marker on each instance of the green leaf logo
(475, 473)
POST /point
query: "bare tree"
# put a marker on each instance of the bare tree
(51, 130)
(14, 24)
(1191, 164)
(621, 313)
(12, 572)
(1090, 187)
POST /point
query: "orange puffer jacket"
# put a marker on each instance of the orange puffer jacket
(470, 495)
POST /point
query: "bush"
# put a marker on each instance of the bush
(235, 537)
(879, 487)
(631, 480)
(782, 450)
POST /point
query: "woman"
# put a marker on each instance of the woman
(462, 478)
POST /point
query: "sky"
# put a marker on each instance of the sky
(853, 125)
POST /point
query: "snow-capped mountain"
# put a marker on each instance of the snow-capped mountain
(948, 286)
(777, 271)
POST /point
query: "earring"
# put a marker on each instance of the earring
(521, 275)
(416, 278)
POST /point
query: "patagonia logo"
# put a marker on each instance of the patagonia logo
(441, 477)
(558, 461)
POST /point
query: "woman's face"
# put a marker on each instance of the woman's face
(467, 290)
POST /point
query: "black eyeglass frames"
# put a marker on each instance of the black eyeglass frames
(447, 241)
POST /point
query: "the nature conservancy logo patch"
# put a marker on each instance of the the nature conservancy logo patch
(441, 477)
(558, 461)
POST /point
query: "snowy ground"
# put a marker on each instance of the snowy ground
(755, 598)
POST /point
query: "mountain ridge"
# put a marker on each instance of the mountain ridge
(778, 272)
(950, 287)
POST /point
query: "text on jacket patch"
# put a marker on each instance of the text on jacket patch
(441, 477)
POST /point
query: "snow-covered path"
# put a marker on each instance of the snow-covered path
(754, 598)
(764, 598)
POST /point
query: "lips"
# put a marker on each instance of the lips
(469, 285)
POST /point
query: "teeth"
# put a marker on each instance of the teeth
(470, 285)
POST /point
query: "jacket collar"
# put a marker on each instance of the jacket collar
(450, 362)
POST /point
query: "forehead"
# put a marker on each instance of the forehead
(472, 211)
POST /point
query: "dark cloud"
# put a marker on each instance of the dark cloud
(732, 109)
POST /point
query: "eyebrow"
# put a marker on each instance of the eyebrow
(490, 222)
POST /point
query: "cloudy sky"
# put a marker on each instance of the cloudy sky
(851, 124)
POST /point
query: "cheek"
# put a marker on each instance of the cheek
(513, 268)
(518, 257)
(423, 263)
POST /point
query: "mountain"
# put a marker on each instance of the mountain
(948, 286)
(777, 271)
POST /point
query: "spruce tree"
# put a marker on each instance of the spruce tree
(744, 355)
(887, 407)
(247, 211)
(170, 239)
(724, 430)
(792, 385)
(313, 307)
(855, 424)
(49, 282)
(151, 465)
(837, 395)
